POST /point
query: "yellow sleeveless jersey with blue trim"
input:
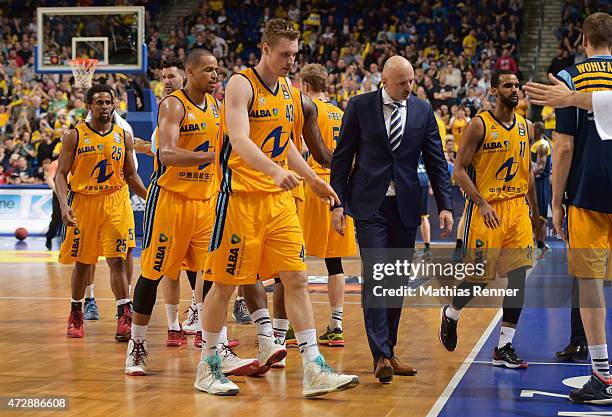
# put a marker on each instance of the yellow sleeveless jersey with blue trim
(271, 117)
(329, 119)
(98, 160)
(199, 131)
(500, 166)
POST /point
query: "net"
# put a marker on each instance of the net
(83, 71)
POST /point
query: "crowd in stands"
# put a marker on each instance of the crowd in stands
(453, 46)
(570, 50)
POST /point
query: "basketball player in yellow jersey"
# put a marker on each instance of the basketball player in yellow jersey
(256, 219)
(305, 129)
(494, 169)
(98, 156)
(180, 199)
(320, 237)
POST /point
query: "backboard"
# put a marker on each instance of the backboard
(112, 35)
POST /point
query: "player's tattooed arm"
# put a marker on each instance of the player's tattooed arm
(129, 169)
(171, 113)
(312, 134)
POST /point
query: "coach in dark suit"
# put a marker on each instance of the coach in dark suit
(384, 132)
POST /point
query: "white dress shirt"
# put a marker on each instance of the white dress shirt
(387, 111)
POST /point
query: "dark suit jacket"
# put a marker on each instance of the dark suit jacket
(363, 137)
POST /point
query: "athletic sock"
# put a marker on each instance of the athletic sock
(427, 245)
(209, 344)
(263, 322)
(139, 332)
(540, 244)
(223, 336)
(452, 313)
(506, 334)
(307, 343)
(280, 329)
(239, 298)
(120, 304)
(172, 314)
(76, 305)
(599, 360)
(89, 291)
(335, 321)
(459, 244)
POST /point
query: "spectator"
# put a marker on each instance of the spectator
(550, 120)
(471, 102)
(506, 62)
(561, 61)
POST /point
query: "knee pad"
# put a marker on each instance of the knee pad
(145, 294)
(277, 280)
(334, 266)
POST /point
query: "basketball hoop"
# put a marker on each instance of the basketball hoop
(83, 71)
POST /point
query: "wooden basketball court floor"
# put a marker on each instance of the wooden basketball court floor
(39, 360)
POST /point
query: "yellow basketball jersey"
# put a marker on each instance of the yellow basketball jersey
(199, 131)
(500, 166)
(298, 122)
(329, 119)
(98, 160)
(271, 119)
(458, 128)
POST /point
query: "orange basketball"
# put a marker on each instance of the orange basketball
(21, 233)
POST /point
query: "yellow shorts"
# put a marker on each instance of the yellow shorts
(504, 249)
(252, 232)
(589, 243)
(129, 215)
(321, 239)
(176, 233)
(102, 228)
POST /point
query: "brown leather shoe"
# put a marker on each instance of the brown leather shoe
(401, 369)
(384, 370)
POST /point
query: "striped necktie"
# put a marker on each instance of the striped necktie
(395, 129)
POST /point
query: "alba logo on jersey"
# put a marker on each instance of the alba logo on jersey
(274, 149)
(86, 149)
(258, 114)
(193, 127)
(507, 171)
(492, 146)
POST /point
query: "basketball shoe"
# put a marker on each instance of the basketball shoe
(241, 312)
(90, 309)
(210, 378)
(506, 356)
(176, 338)
(136, 359)
(191, 324)
(332, 338)
(270, 352)
(232, 364)
(320, 379)
(124, 323)
(596, 391)
(75, 324)
(290, 339)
